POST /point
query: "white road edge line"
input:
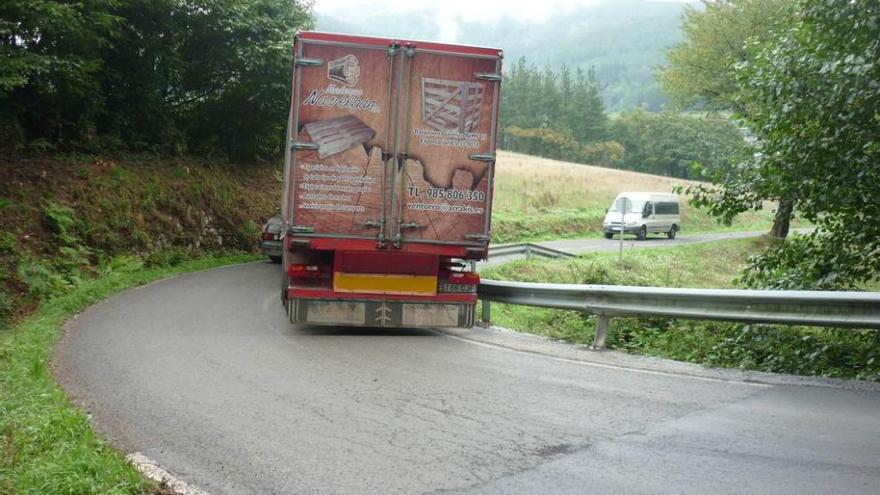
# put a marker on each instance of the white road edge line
(150, 469)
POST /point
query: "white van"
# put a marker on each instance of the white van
(643, 213)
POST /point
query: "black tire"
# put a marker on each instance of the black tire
(609, 235)
(275, 259)
(672, 231)
(642, 234)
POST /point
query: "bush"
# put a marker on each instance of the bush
(121, 264)
(7, 242)
(41, 279)
(5, 310)
(61, 220)
(167, 258)
(247, 235)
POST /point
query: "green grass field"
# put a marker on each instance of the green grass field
(798, 350)
(540, 199)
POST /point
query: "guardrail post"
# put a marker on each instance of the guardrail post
(601, 331)
(486, 318)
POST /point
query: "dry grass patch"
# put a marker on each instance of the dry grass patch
(524, 182)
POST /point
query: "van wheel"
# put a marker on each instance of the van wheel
(642, 234)
(608, 235)
(672, 231)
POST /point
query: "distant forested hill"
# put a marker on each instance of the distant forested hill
(623, 39)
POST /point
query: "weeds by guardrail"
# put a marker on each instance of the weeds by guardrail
(816, 308)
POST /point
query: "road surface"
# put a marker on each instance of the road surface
(203, 374)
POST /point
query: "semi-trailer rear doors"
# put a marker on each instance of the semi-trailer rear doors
(391, 141)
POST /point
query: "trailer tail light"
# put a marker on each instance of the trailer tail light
(459, 282)
(310, 275)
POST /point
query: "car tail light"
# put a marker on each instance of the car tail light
(458, 282)
(268, 236)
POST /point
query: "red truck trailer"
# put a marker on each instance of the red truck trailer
(388, 180)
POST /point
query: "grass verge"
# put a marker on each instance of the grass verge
(810, 351)
(46, 445)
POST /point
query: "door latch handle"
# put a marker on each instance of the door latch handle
(411, 225)
(482, 157)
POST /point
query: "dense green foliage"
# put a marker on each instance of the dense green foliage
(799, 350)
(699, 70)
(561, 115)
(206, 76)
(670, 143)
(555, 115)
(811, 96)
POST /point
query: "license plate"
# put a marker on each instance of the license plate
(457, 288)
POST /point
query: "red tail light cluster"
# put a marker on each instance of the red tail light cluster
(268, 236)
(310, 275)
(304, 271)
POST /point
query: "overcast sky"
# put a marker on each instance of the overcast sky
(449, 12)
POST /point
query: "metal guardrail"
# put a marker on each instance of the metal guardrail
(786, 307)
(528, 249)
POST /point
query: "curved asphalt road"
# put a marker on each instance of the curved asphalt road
(203, 374)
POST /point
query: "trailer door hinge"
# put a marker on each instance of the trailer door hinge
(308, 62)
(297, 145)
(475, 253)
(373, 224)
(482, 157)
(411, 225)
(488, 76)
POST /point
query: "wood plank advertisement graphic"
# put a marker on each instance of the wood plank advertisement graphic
(359, 107)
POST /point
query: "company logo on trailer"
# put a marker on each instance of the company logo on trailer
(344, 70)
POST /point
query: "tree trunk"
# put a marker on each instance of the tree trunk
(782, 220)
